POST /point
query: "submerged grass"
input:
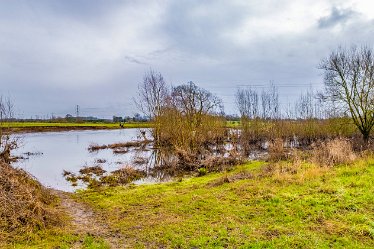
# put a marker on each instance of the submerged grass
(314, 207)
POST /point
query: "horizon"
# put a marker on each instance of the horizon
(55, 55)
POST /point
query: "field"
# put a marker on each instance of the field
(316, 207)
(61, 126)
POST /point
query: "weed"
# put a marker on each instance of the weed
(202, 171)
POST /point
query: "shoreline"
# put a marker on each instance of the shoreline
(21, 128)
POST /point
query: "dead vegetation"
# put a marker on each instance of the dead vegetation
(322, 154)
(96, 176)
(25, 205)
(119, 147)
(297, 165)
(277, 150)
(333, 152)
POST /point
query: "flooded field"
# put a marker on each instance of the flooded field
(48, 154)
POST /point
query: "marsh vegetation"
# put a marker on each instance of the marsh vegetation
(312, 188)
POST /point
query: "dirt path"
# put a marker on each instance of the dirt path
(86, 222)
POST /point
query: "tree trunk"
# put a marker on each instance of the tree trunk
(365, 137)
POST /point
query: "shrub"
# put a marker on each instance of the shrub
(202, 171)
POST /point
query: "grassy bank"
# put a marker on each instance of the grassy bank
(314, 207)
(61, 126)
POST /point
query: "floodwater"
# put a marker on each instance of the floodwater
(50, 153)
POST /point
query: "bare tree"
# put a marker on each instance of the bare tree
(270, 103)
(247, 103)
(7, 142)
(193, 102)
(304, 106)
(289, 112)
(349, 81)
(152, 94)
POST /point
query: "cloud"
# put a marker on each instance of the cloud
(55, 54)
(134, 60)
(336, 17)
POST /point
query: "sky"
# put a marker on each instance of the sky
(56, 54)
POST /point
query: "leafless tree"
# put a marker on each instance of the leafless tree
(289, 112)
(349, 81)
(270, 103)
(152, 94)
(7, 142)
(193, 102)
(304, 107)
(247, 103)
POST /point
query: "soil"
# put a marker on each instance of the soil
(87, 222)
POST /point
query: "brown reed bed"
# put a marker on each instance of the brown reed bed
(25, 205)
(117, 146)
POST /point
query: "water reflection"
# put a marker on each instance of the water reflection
(58, 151)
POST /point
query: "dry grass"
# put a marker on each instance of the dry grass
(276, 150)
(96, 176)
(302, 165)
(118, 146)
(25, 205)
(333, 152)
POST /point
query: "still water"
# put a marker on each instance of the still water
(52, 152)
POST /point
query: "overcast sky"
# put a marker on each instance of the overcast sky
(56, 54)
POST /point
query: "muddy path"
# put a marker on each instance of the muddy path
(86, 222)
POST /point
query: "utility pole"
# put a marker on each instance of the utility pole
(77, 112)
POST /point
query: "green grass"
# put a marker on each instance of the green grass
(30, 125)
(47, 125)
(315, 208)
(61, 239)
(233, 124)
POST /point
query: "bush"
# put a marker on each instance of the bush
(202, 171)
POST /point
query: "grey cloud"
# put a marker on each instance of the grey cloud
(134, 60)
(337, 16)
(56, 54)
(199, 26)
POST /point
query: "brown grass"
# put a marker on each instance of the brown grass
(256, 131)
(122, 176)
(276, 150)
(96, 176)
(25, 205)
(118, 146)
(333, 152)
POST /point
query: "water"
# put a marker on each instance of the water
(58, 151)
